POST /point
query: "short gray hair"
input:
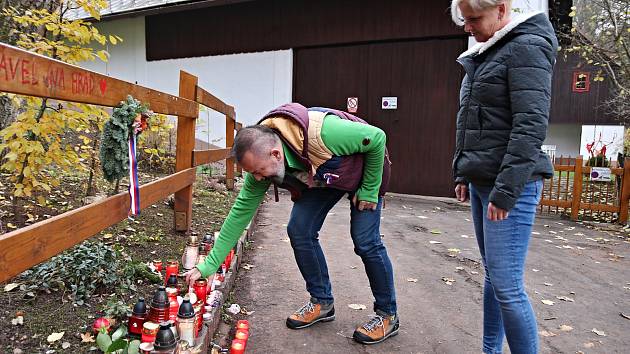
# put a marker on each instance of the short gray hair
(456, 14)
(255, 138)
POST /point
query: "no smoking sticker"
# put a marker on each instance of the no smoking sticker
(353, 104)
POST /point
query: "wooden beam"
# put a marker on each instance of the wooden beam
(556, 203)
(184, 153)
(22, 249)
(30, 74)
(599, 207)
(577, 188)
(209, 100)
(202, 157)
(229, 142)
(625, 192)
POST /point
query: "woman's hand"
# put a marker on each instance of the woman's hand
(461, 192)
(495, 213)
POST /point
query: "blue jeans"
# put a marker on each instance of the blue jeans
(503, 247)
(307, 217)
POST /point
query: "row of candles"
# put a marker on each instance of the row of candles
(173, 322)
(239, 343)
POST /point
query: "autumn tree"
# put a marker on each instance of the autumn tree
(599, 32)
(39, 138)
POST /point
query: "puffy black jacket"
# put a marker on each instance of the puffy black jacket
(504, 109)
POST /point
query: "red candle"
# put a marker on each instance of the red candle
(242, 324)
(158, 265)
(242, 334)
(172, 267)
(238, 347)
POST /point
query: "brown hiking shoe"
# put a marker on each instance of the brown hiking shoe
(310, 314)
(377, 329)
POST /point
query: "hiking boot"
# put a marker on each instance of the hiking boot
(310, 314)
(377, 329)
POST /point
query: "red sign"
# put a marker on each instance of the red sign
(353, 104)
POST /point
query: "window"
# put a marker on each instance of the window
(581, 82)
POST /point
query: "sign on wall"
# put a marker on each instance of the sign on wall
(600, 174)
(389, 103)
(353, 104)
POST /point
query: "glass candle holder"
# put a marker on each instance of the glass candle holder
(149, 331)
(172, 267)
(237, 347)
(189, 258)
(138, 317)
(186, 322)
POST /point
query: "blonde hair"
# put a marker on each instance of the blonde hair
(477, 5)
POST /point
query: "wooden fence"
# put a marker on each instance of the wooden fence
(30, 74)
(572, 192)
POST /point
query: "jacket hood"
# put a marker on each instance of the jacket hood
(535, 23)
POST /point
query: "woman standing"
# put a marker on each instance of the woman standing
(501, 124)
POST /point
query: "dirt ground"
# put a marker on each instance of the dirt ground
(587, 265)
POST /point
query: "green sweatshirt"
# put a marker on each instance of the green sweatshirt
(342, 137)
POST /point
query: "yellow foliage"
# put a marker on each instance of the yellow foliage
(41, 136)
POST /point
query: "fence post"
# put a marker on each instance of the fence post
(577, 188)
(625, 192)
(184, 152)
(239, 169)
(229, 142)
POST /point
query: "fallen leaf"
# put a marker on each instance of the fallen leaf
(11, 226)
(565, 298)
(436, 231)
(10, 287)
(65, 345)
(435, 242)
(19, 320)
(454, 250)
(547, 334)
(565, 328)
(598, 332)
(548, 302)
(106, 236)
(448, 281)
(412, 280)
(357, 306)
(87, 338)
(55, 337)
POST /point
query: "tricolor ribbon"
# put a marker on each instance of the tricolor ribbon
(134, 189)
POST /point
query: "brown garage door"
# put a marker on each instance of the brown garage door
(424, 77)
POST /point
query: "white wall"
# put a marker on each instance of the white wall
(609, 135)
(254, 83)
(566, 138)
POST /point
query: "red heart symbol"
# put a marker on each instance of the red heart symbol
(103, 86)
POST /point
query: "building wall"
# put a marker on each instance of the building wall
(566, 138)
(253, 83)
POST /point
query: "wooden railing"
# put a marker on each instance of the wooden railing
(572, 192)
(39, 76)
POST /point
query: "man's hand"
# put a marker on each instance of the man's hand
(192, 275)
(495, 213)
(461, 192)
(362, 204)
